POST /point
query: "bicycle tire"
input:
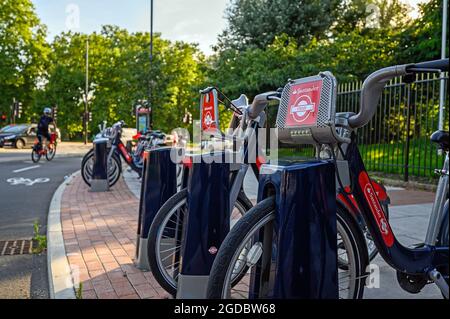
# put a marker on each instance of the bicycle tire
(50, 156)
(262, 213)
(86, 175)
(154, 232)
(33, 159)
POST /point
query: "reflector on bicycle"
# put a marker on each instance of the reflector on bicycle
(307, 111)
(209, 111)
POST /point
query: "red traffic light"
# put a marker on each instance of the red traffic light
(3, 117)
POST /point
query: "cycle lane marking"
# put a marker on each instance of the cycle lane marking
(14, 181)
(26, 169)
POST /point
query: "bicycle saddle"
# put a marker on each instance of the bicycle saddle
(441, 138)
(241, 101)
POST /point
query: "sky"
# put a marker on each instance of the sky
(199, 21)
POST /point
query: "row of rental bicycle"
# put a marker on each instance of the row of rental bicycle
(316, 224)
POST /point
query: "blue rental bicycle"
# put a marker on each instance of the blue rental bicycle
(335, 134)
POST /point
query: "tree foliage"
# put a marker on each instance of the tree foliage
(422, 40)
(23, 52)
(350, 45)
(120, 74)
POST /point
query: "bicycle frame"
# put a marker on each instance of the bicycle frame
(48, 143)
(119, 148)
(416, 261)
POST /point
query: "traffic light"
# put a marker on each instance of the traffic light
(55, 113)
(3, 118)
(19, 109)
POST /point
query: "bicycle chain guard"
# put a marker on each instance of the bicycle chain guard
(307, 111)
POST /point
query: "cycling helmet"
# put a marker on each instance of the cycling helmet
(48, 111)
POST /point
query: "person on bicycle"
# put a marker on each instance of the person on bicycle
(44, 122)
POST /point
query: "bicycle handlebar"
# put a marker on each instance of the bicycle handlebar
(374, 84)
(260, 102)
(429, 66)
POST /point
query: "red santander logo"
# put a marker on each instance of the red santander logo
(303, 104)
(375, 207)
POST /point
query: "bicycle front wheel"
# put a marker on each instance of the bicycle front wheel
(164, 242)
(50, 152)
(252, 236)
(35, 156)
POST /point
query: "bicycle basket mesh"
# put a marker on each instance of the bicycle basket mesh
(307, 110)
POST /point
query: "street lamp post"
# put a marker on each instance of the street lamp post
(150, 84)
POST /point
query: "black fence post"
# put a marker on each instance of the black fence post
(408, 126)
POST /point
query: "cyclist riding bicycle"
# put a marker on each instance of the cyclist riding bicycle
(42, 129)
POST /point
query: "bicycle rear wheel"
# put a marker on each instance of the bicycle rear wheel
(114, 169)
(164, 245)
(241, 247)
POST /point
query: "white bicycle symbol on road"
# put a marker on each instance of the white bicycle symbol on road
(26, 181)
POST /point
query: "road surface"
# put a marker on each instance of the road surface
(26, 190)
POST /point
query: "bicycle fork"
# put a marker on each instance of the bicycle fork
(435, 223)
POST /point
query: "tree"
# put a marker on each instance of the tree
(255, 23)
(350, 56)
(121, 75)
(23, 52)
(422, 40)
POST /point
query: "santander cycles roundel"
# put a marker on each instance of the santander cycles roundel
(303, 104)
(302, 108)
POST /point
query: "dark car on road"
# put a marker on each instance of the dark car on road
(21, 135)
(18, 136)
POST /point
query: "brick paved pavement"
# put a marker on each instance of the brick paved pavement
(99, 231)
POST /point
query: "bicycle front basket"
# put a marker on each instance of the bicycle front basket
(307, 111)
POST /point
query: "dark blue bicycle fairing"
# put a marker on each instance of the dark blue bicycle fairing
(207, 221)
(416, 261)
(304, 240)
(100, 167)
(158, 185)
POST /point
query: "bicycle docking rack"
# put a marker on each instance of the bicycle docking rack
(304, 252)
(206, 223)
(159, 183)
(99, 181)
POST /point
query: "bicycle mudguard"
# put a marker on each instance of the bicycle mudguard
(159, 183)
(304, 253)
